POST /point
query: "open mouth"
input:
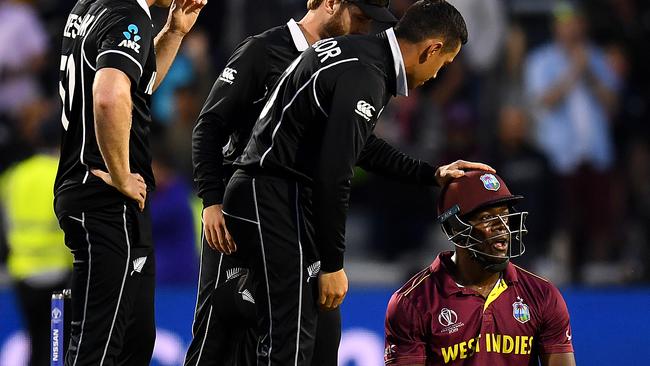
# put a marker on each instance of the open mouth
(499, 246)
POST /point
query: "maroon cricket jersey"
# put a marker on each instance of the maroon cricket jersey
(432, 320)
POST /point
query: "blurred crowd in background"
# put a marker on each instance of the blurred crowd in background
(553, 95)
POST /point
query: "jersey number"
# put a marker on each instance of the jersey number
(68, 67)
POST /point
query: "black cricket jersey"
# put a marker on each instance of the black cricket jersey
(102, 33)
(236, 99)
(318, 124)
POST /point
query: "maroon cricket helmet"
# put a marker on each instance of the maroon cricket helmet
(475, 190)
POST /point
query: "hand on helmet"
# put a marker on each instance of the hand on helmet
(457, 169)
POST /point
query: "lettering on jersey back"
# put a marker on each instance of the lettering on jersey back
(326, 49)
(77, 26)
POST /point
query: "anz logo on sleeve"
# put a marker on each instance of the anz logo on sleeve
(131, 38)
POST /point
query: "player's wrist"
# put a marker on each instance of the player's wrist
(171, 31)
(212, 197)
(333, 263)
(119, 180)
(427, 174)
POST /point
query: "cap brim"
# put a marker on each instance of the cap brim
(377, 13)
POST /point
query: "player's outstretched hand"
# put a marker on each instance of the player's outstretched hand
(332, 288)
(183, 14)
(457, 169)
(133, 186)
(214, 229)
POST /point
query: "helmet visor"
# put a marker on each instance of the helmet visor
(503, 241)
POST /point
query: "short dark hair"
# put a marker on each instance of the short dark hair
(431, 18)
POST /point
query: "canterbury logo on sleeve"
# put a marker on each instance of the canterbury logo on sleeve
(364, 109)
(228, 75)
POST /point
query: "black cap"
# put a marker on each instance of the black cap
(376, 9)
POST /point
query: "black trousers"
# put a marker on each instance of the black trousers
(268, 219)
(222, 332)
(35, 303)
(112, 286)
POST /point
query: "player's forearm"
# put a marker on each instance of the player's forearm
(330, 211)
(331, 197)
(167, 43)
(381, 158)
(207, 160)
(112, 114)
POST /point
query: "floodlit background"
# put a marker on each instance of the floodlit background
(554, 96)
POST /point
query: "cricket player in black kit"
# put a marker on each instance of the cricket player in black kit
(110, 65)
(223, 335)
(286, 205)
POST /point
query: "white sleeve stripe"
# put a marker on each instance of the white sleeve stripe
(123, 54)
(316, 97)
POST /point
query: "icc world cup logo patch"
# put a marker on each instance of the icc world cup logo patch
(520, 311)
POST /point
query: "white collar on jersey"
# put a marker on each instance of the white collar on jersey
(298, 37)
(143, 4)
(400, 72)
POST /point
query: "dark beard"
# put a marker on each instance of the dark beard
(490, 264)
(334, 27)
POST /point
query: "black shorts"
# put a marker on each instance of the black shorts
(112, 285)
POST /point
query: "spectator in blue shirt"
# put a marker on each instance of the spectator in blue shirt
(574, 93)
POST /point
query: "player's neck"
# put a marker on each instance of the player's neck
(470, 273)
(310, 26)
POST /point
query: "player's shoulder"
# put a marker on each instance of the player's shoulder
(534, 282)
(353, 70)
(370, 50)
(420, 285)
(273, 35)
(362, 73)
(129, 9)
(417, 295)
(259, 44)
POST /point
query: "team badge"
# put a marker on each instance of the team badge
(520, 311)
(490, 182)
